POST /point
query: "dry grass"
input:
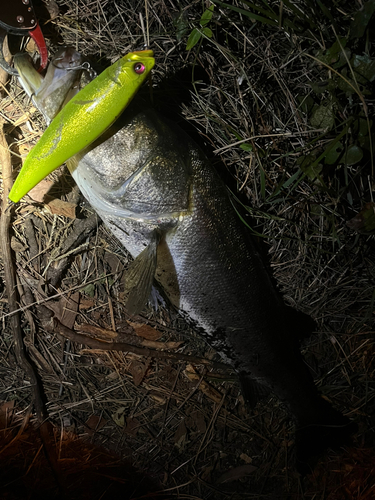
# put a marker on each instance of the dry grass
(202, 442)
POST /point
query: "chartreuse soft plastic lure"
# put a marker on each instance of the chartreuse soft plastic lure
(84, 118)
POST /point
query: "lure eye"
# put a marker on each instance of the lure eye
(139, 68)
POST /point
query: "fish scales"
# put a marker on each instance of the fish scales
(207, 265)
(157, 192)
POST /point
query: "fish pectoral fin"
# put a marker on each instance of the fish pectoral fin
(72, 164)
(140, 276)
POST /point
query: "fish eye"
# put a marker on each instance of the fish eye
(139, 68)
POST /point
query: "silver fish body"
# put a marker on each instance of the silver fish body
(158, 194)
(61, 82)
(149, 178)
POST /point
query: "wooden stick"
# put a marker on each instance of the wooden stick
(141, 351)
(10, 279)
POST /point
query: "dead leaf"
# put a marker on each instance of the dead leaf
(16, 245)
(157, 398)
(85, 303)
(65, 309)
(180, 437)
(167, 373)
(128, 337)
(97, 332)
(114, 262)
(204, 386)
(94, 424)
(206, 473)
(26, 209)
(195, 421)
(138, 371)
(246, 458)
(132, 426)
(38, 192)
(53, 9)
(69, 309)
(24, 118)
(364, 221)
(199, 421)
(145, 331)
(6, 410)
(236, 473)
(161, 345)
(119, 417)
(59, 207)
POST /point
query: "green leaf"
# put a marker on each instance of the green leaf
(361, 19)
(364, 221)
(337, 46)
(247, 13)
(362, 127)
(238, 137)
(207, 15)
(297, 12)
(344, 85)
(290, 181)
(119, 417)
(325, 11)
(268, 13)
(207, 32)
(323, 117)
(321, 87)
(334, 56)
(246, 147)
(306, 164)
(306, 103)
(182, 25)
(365, 66)
(344, 56)
(333, 154)
(89, 290)
(193, 39)
(353, 155)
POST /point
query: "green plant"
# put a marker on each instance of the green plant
(202, 31)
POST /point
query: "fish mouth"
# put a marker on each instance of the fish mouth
(67, 58)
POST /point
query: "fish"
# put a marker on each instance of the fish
(157, 192)
(85, 117)
(60, 84)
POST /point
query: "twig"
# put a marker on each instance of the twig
(81, 229)
(11, 289)
(10, 280)
(141, 351)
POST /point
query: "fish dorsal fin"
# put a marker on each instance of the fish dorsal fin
(140, 275)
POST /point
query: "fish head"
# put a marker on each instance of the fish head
(61, 83)
(139, 169)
